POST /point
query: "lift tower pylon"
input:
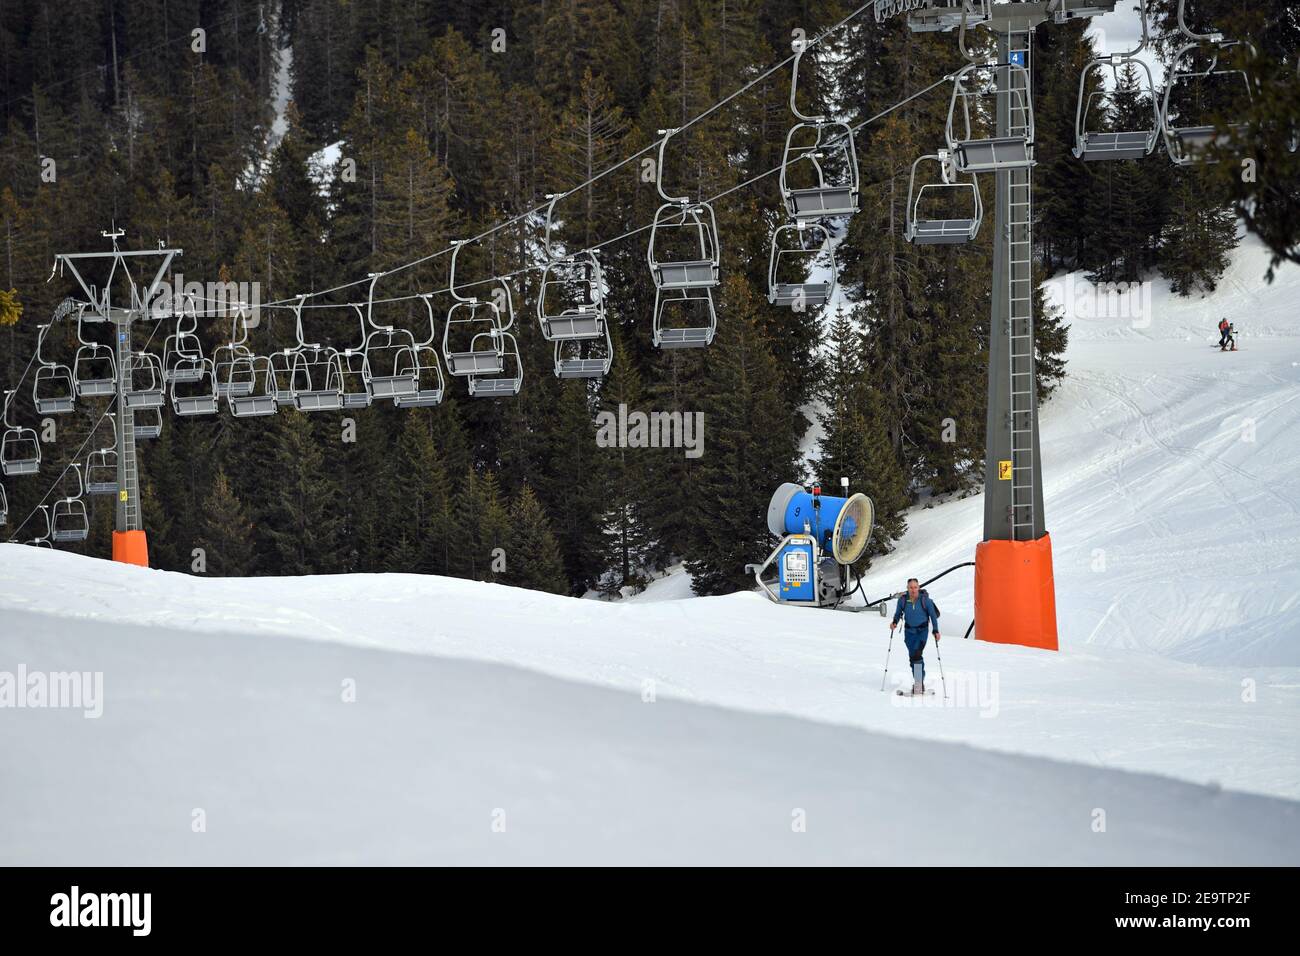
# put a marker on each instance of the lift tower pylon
(1015, 594)
(130, 542)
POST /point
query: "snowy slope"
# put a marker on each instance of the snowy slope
(1107, 707)
(441, 761)
(1172, 480)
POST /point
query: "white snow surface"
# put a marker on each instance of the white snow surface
(667, 728)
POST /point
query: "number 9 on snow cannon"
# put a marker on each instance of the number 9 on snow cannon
(821, 536)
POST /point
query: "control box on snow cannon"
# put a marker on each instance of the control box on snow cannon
(821, 536)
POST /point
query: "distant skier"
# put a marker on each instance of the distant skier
(1227, 336)
(1224, 326)
(916, 610)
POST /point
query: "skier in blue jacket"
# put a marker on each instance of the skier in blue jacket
(916, 610)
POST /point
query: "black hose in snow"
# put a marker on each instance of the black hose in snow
(964, 564)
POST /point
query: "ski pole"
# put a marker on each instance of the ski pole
(941, 680)
(885, 676)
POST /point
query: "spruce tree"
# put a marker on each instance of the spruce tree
(534, 559)
(302, 504)
(226, 535)
(1199, 235)
(422, 501)
(624, 524)
(482, 526)
(854, 441)
(749, 448)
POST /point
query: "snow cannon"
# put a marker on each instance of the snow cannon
(821, 536)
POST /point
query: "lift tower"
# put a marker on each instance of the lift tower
(1015, 597)
(130, 544)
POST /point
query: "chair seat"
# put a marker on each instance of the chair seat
(21, 466)
(150, 399)
(392, 386)
(993, 155)
(699, 274)
(810, 293)
(475, 363)
(254, 406)
(330, 401)
(95, 387)
(942, 231)
(581, 368)
(425, 398)
(1127, 144)
(558, 328)
(198, 405)
(821, 201)
(493, 387)
(234, 389)
(684, 338)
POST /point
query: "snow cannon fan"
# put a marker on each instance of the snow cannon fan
(821, 536)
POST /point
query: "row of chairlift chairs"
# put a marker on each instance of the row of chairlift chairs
(55, 389)
(1200, 58)
(683, 254)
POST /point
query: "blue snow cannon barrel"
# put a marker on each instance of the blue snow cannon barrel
(842, 526)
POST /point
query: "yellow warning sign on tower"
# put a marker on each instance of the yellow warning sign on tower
(1004, 471)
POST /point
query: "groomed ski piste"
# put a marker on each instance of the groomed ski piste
(399, 719)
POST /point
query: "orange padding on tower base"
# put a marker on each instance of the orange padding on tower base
(131, 547)
(1015, 594)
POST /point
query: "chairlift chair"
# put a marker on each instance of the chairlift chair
(281, 369)
(144, 381)
(354, 371)
(238, 377)
(695, 225)
(182, 349)
(69, 521)
(570, 299)
(256, 402)
(832, 151)
(693, 331)
(315, 380)
(233, 362)
(478, 327)
(101, 466)
(390, 362)
(354, 378)
(20, 448)
(194, 387)
(43, 541)
(511, 378)
(933, 231)
(101, 472)
(584, 358)
(53, 391)
(1100, 144)
(973, 153)
(423, 365)
(94, 368)
(146, 424)
(798, 258)
(1186, 142)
